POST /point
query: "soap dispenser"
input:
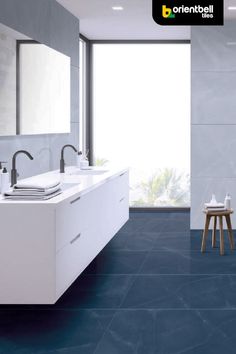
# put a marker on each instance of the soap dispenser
(4, 181)
(227, 201)
(79, 158)
(1, 171)
(213, 200)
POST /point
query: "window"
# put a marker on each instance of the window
(141, 118)
(83, 98)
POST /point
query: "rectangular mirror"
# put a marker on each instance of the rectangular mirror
(34, 86)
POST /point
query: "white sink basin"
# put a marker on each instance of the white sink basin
(67, 185)
(87, 172)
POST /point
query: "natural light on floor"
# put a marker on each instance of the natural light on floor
(141, 109)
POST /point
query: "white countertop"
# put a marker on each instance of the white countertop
(76, 185)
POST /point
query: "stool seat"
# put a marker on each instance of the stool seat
(218, 215)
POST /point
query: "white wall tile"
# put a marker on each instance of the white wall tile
(214, 97)
(213, 151)
(211, 50)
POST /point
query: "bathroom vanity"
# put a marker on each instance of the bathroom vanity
(46, 245)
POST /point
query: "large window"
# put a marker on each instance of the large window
(141, 118)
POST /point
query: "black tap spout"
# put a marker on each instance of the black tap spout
(14, 170)
(62, 161)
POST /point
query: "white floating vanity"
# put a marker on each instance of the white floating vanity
(45, 245)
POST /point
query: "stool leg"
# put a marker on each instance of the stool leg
(230, 232)
(222, 250)
(214, 232)
(205, 233)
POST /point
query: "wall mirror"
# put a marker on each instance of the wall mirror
(34, 86)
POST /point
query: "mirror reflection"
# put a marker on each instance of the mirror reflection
(34, 86)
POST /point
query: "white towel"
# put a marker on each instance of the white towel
(214, 205)
(31, 191)
(32, 197)
(41, 184)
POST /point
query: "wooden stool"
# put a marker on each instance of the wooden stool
(219, 214)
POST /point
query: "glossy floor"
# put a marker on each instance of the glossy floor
(150, 291)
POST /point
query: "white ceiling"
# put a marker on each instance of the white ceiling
(99, 21)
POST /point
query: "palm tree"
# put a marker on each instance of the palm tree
(164, 188)
(101, 162)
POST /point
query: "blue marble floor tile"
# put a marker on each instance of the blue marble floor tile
(135, 225)
(189, 262)
(182, 291)
(96, 291)
(196, 240)
(46, 331)
(148, 241)
(132, 241)
(167, 225)
(195, 332)
(170, 332)
(172, 240)
(130, 332)
(156, 225)
(119, 262)
(167, 262)
(150, 291)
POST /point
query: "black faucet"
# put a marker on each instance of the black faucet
(13, 170)
(62, 161)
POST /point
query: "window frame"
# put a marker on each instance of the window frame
(86, 97)
(89, 126)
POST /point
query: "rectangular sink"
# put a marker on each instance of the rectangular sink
(65, 186)
(87, 172)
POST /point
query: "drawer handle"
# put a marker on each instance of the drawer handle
(75, 200)
(121, 200)
(122, 174)
(75, 239)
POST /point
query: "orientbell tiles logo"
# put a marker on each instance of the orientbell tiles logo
(188, 12)
(166, 12)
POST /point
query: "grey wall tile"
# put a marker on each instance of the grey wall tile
(202, 189)
(36, 145)
(212, 48)
(56, 143)
(213, 98)
(213, 151)
(213, 162)
(64, 32)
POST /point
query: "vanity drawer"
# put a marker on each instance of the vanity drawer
(122, 211)
(73, 217)
(121, 185)
(117, 205)
(74, 258)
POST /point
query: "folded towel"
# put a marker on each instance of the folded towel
(31, 191)
(37, 183)
(32, 197)
(214, 205)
